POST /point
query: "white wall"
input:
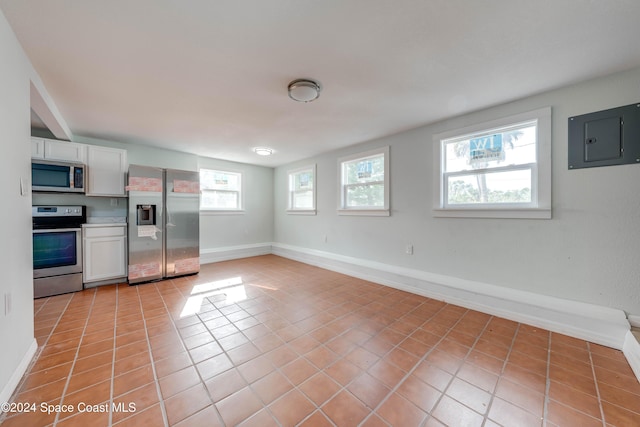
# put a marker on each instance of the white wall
(588, 252)
(254, 226)
(16, 328)
(138, 154)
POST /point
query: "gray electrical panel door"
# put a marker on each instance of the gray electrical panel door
(605, 138)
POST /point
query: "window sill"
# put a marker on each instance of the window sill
(301, 211)
(493, 213)
(364, 212)
(222, 212)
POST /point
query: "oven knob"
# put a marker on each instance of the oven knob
(68, 210)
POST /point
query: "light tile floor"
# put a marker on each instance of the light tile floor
(266, 341)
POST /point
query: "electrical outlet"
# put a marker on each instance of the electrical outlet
(114, 202)
(409, 249)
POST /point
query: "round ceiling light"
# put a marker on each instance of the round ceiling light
(304, 90)
(263, 151)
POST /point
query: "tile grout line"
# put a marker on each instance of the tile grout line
(595, 381)
(504, 365)
(547, 386)
(75, 358)
(95, 307)
(342, 357)
(415, 366)
(193, 364)
(344, 388)
(454, 376)
(486, 416)
(276, 368)
(396, 346)
(153, 367)
(4, 415)
(42, 306)
(341, 387)
(113, 358)
(320, 371)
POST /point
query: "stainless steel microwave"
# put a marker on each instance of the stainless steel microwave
(61, 177)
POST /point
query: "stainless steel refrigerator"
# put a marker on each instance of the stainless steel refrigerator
(164, 223)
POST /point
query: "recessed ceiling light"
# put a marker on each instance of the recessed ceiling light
(304, 90)
(263, 151)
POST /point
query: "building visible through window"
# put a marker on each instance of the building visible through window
(502, 165)
(364, 187)
(302, 192)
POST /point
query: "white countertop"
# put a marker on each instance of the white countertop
(104, 225)
(106, 221)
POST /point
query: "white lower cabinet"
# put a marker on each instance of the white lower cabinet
(105, 254)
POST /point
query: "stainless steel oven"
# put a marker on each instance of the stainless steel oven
(57, 249)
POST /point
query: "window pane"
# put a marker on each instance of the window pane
(302, 200)
(364, 183)
(219, 180)
(301, 191)
(219, 199)
(302, 181)
(497, 187)
(367, 195)
(514, 146)
(364, 170)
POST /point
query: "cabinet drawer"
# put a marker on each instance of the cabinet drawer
(90, 232)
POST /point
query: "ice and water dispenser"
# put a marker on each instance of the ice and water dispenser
(146, 215)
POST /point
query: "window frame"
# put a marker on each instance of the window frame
(540, 205)
(290, 179)
(363, 210)
(221, 211)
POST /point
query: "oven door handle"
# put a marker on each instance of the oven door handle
(57, 230)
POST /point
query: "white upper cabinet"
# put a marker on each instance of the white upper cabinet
(37, 148)
(65, 151)
(106, 171)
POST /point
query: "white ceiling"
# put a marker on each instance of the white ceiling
(210, 76)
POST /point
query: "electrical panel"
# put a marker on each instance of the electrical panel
(605, 138)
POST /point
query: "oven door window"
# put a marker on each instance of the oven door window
(54, 249)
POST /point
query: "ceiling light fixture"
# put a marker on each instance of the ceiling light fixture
(304, 90)
(263, 151)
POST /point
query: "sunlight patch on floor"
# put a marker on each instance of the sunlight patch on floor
(233, 289)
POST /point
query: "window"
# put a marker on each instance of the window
(221, 190)
(302, 190)
(499, 169)
(364, 183)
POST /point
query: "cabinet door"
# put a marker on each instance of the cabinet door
(37, 148)
(106, 172)
(104, 258)
(64, 151)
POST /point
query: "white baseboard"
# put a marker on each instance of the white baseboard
(601, 325)
(631, 350)
(13, 382)
(634, 320)
(208, 256)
